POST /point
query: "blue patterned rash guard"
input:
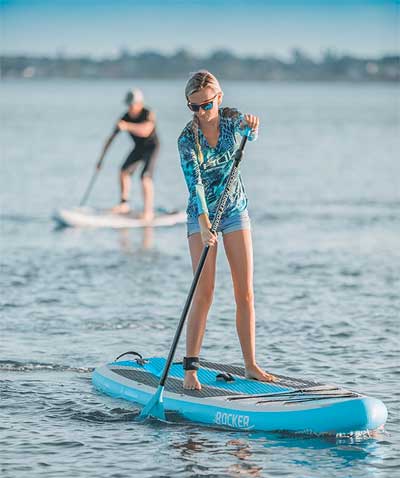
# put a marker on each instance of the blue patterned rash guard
(206, 179)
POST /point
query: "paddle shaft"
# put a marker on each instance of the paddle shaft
(89, 188)
(220, 209)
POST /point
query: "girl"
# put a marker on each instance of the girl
(207, 146)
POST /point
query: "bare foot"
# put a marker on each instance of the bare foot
(191, 381)
(256, 373)
(121, 208)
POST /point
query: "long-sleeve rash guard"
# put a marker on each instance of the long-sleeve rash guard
(206, 180)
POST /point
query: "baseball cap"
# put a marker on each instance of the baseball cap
(134, 96)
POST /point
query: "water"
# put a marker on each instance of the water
(323, 182)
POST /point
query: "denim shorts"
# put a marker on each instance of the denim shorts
(238, 222)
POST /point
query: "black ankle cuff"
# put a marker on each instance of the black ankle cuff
(191, 363)
(123, 201)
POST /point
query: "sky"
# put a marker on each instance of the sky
(101, 28)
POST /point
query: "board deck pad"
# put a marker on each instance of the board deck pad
(240, 371)
(150, 373)
(173, 385)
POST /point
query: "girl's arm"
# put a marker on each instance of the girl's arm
(191, 171)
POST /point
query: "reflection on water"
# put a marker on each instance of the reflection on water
(127, 244)
(254, 454)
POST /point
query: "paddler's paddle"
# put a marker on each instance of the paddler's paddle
(89, 188)
(154, 407)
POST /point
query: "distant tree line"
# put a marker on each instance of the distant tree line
(223, 63)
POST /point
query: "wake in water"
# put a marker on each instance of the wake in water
(17, 366)
(111, 416)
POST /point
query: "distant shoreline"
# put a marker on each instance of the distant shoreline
(180, 79)
(153, 65)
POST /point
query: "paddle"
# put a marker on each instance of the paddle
(155, 406)
(89, 188)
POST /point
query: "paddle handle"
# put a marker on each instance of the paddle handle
(214, 226)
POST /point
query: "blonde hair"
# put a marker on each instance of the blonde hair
(199, 80)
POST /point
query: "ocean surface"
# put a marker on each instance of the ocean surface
(323, 182)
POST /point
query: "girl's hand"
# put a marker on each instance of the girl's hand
(208, 238)
(252, 121)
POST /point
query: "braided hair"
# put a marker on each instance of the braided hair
(199, 80)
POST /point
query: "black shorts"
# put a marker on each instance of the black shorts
(143, 156)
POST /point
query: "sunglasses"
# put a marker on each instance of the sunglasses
(205, 106)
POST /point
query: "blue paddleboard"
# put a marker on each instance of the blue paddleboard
(228, 399)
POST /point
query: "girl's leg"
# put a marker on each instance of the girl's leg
(200, 306)
(239, 251)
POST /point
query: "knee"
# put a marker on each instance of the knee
(147, 181)
(204, 296)
(244, 300)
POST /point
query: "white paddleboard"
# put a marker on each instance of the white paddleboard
(91, 217)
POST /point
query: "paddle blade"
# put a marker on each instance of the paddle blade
(155, 407)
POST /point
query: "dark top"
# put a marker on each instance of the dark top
(140, 142)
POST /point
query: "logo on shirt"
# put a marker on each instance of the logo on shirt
(217, 160)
